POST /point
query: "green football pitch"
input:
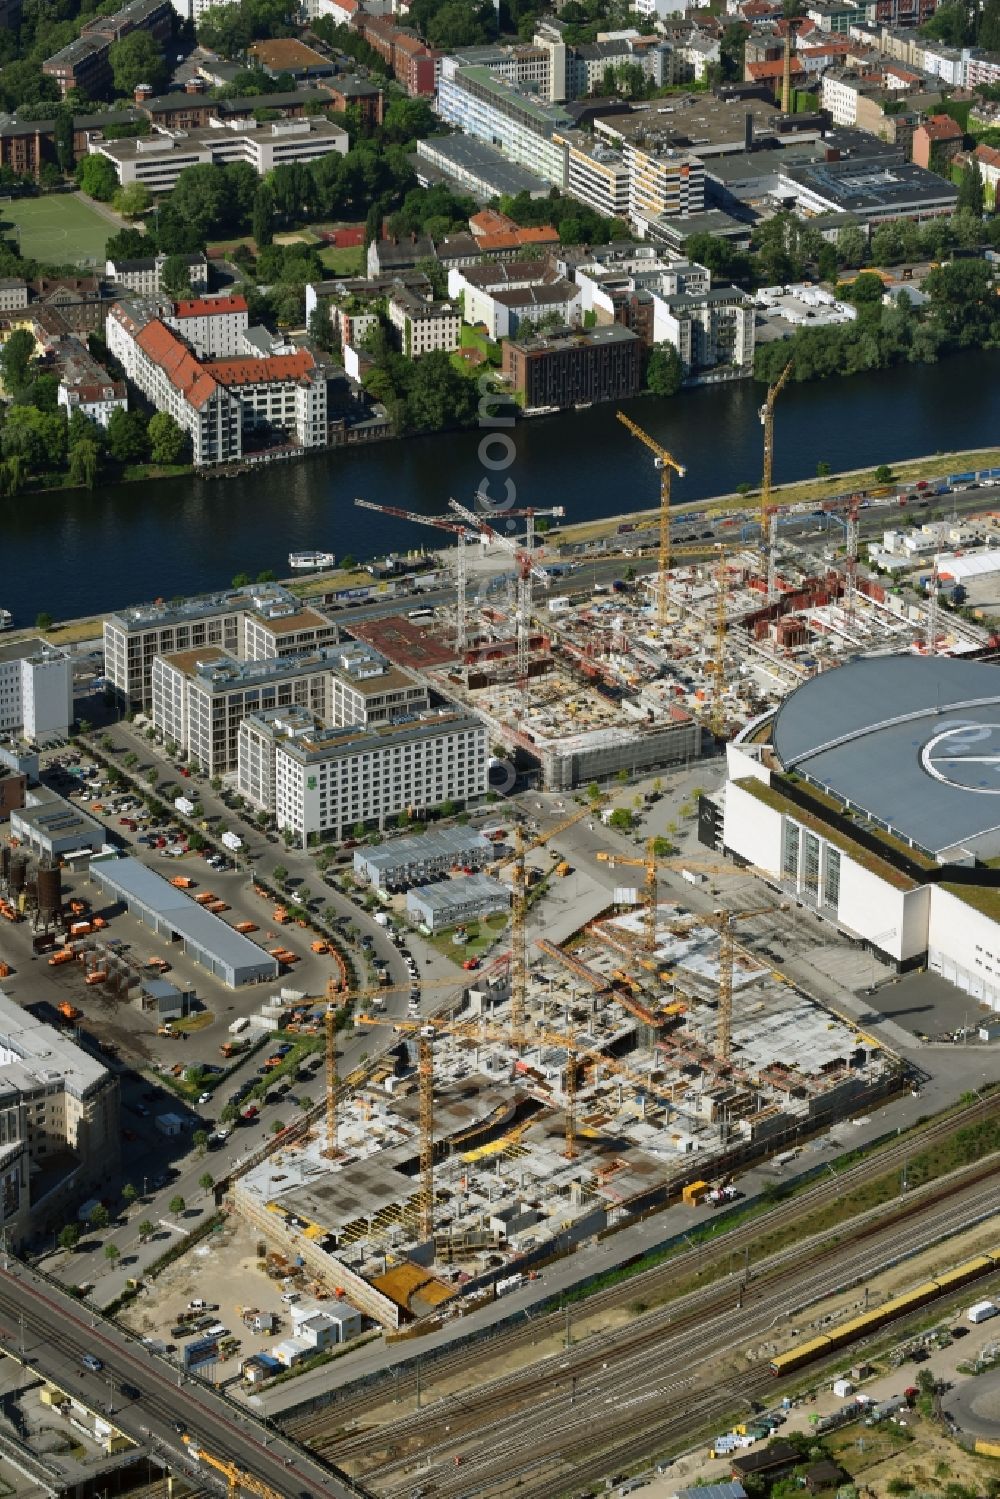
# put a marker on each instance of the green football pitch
(57, 228)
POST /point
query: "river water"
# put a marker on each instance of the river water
(73, 553)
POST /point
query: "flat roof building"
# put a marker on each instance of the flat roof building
(157, 160)
(53, 828)
(474, 167)
(464, 898)
(400, 862)
(175, 917)
(36, 690)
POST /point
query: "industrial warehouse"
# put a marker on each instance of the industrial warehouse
(174, 916)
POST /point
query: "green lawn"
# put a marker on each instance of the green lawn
(343, 262)
(57, 228)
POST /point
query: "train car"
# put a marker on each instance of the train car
(784, 1363)
(950, 1280)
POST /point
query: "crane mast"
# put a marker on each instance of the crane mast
(768, 515)
(462, 534)
(667, 464)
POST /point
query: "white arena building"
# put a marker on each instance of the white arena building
(872, 794)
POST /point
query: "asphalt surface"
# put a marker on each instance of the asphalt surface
(148, 1399)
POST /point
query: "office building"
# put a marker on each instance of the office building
(568, 368)
(523, 127)
(60, 1132)
(36, 690)
(320, 781)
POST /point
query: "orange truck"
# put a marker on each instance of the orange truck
(68, 1011)
(8, 912)
(246, 927)
(205, 896)
(97, 976)
(280, 915)
(81, 929)
(216, 907)
(64, 955)
(182, 881)
(320, 946)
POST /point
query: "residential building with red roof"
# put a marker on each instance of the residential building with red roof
(213, 326)
(939, 136)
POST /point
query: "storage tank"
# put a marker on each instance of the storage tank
(49, 883)
(4, 863)
(18, 872)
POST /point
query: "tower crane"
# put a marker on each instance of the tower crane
(462, 533)
(238, 1482)
(717, 714)
(932, 612)
(769, 513)
(527, 568)
(667, 464)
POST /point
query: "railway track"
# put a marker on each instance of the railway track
(580, 1420)
(645, 1285)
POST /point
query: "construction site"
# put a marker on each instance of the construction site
(584, 682)
(570, 1089)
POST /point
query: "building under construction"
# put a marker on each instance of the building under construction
(486, 1140)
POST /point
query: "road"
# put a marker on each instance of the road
(56, 1332)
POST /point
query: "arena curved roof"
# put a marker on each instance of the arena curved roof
(913, 741)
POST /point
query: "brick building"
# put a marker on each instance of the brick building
(938, 136)
(85, 63)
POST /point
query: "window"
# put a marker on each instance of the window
(831, 877)
(810, 865)
(790, 851)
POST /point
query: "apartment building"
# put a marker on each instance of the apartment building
(424, 326)
(84, 385)
(157, 360)
(320, 782)
(590, 65)
(711, 329)
(157, 160)
(85, 63)
(144, 276)
(526, 66)
(524, 128)
(213, 326)
(414, 65)
(60, 1131)
(36, 690)
(505, 296)
(277, 627)
(663, 183)
(596, 174)
(278, 392)
(134, 637)
(569, 368)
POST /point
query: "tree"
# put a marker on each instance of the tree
(822, 469)
(883, 474)
(127, 436)
(69, 1236)
(129, 1194)
(84, 463)
(177, 1205)
(132, 200)
(175, 275)
(138, 58)
(98, 1217)
(200, 1141)
(664, 371)
(262, 221)
(146, 1229)
(43, 621)
(111, 1252)
(851, 246)
(621, 818)
(280, 874)
(206, 1182)
(971, 193)
(168, 442)
(276, 1126)
(97, 176)
(15, 359)
(127, 244)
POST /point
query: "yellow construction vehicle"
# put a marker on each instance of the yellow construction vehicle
(238, 1481)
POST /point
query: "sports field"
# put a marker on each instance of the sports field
(58, 228)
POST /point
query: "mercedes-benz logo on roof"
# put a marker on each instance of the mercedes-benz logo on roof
(966, 756)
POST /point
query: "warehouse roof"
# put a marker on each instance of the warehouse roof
(911, 741)
(132, 881)
(436, 843)
(454, 894)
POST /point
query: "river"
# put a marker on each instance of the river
(71, 554)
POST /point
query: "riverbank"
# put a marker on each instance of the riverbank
(89, 628)
(796, 492)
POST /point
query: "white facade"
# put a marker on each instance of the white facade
(157, 160)
(867, 899)
(166, 371)
(324, 781)
(36, 691)
(98, 402)
(524, 129)
(213, 326)
(424, 326)
(840, 96)
(662, 181)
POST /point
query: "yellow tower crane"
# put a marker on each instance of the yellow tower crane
(768, 512)
(667, 464)
(717, 714)
(238, 1482)
(332, 1080)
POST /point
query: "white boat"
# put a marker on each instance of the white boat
(304, 562)
(6, 619)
